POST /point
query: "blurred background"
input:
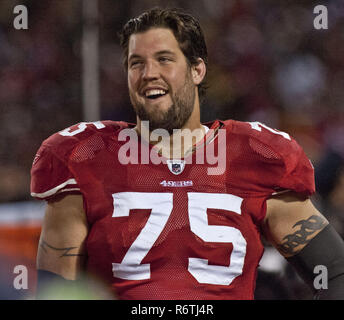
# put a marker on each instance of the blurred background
(267, 63)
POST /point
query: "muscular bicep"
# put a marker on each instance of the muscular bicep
(291, 222)
(62, 243)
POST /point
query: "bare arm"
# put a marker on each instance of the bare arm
(303, 236)
(62, 243)
(291, 222)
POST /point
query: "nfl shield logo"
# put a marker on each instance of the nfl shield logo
(176, 166)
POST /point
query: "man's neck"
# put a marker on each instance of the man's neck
(176, 145)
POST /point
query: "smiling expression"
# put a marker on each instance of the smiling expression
(160, 81)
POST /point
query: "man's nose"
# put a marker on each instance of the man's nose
(150, 71)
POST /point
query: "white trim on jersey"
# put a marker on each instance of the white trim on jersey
(280, 192)
(70, 189)
(56, 189)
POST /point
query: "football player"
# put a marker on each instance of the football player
(173, 229)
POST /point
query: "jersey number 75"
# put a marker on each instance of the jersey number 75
(161, 207)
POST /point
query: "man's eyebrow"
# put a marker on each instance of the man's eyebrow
(134, 56)
(164, 52)
(161, 52)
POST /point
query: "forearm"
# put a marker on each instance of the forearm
(327, 250)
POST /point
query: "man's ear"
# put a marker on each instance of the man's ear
(198, 71)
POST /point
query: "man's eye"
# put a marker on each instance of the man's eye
(135, 63)
(164, 59)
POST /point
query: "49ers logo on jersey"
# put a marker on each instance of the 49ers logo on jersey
(187, 183)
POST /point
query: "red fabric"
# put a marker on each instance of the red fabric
(258, 163)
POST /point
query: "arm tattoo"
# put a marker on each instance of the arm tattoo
(44, 245)
(308, 227)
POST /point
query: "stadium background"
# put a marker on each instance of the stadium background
(267, 63)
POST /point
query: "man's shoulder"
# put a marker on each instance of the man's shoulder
(83, 132)
(51, 171)
(261, 138)
(268, 156)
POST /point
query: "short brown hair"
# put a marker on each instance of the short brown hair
(185, 28)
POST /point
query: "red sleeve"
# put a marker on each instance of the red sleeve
(274, 160)
(299, 171)
(50, 175)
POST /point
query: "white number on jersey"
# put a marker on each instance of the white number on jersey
(162, 204)
(81, 127)
(258, 126)
(199, 268)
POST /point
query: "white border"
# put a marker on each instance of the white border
(55, 190)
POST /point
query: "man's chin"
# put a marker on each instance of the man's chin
(157, 107)
(154, 123)
(157, 116)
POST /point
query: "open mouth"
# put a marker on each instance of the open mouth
(154, 94)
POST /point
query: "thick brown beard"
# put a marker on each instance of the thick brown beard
(177, 114)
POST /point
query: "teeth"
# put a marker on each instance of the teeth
(154, 92)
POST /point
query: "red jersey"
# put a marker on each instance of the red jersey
(155, 234)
